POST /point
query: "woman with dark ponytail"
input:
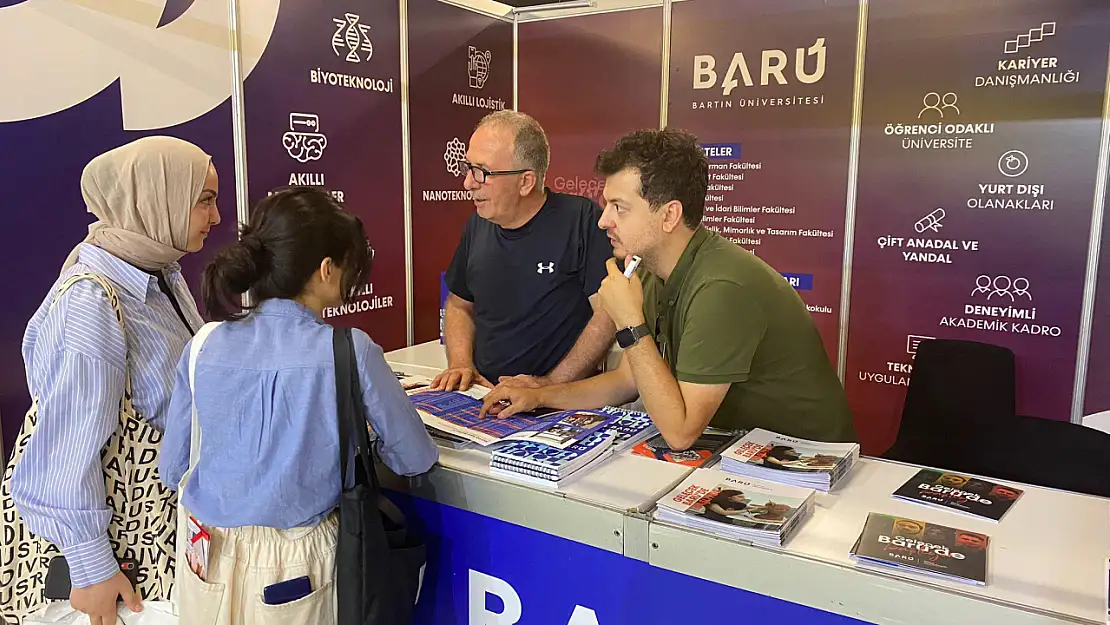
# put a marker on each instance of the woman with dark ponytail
(265, 484)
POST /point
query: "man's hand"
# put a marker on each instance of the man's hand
(506, 401)
(523, 381)
(459, 379)
(622, 298)
(99, 600)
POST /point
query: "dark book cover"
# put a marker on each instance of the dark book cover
(923, 547)
(960, 493)
(702, 453)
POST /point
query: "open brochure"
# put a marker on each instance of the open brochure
(458, 414)
(927, 548)
(771, 456)
(959, 493)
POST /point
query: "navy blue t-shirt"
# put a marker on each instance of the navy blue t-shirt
(530, 286)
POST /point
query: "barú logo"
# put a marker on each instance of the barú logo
(773, 64)
(480, 585)
(89, 50)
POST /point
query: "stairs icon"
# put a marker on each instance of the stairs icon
(1047, 29)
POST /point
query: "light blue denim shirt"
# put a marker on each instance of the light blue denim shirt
(265, 395)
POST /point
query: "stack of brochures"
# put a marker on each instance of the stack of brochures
(704, 453)
(959, 493)
(927, 548)
(738, 508)
(769, 456)
(550, 466)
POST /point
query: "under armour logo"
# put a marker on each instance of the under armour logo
(542, 267)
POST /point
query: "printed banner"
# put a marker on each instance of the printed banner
(460, 69)
(588, 80)
(79, 97)
(482, 570)
(324, 109)
(767, 88)
(977, 173)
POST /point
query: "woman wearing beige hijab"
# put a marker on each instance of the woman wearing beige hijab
(81, 495)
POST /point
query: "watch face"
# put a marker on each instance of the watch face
(628, 336)
(625, 338)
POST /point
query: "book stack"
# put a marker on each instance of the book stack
(549, 466)
(763, 454)
(926, 548)
(545, 465)
(745, 509)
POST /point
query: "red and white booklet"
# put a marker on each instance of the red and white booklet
(196, 551)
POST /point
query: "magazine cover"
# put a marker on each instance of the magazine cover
(702, 453)
(458, 413)
(960, 493)
(924, 547)
(714, 496)
(775, 451)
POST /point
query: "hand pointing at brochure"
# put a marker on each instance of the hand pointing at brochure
(505, 401)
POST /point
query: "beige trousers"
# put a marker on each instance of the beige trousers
(244, 560)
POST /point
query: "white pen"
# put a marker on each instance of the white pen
(631, 266)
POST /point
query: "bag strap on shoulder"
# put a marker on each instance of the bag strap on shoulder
(353, 427)
(195, 433)
(113, 300)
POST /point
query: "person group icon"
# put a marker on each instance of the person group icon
(1002, 286)
(933, 101)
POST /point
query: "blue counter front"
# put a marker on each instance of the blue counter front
(503, 552)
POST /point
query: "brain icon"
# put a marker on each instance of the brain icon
(454, 156)
(304, 146)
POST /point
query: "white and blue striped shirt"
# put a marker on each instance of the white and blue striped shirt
(75, 358)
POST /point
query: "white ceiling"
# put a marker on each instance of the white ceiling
(493, 7)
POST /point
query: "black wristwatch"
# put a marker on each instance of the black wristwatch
(627, 337)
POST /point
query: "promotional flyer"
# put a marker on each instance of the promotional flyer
(767, 88)
(977, 174)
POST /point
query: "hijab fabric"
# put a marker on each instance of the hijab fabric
(142, 195)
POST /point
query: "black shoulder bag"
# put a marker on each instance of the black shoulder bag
(379, 562)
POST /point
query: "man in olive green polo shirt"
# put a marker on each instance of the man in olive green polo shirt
(711, 334)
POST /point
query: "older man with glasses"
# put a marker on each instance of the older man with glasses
(522, 308)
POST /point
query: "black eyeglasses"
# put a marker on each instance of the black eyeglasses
(479, 173)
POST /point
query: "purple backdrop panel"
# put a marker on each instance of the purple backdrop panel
(324, 109)
(588, 80)
(1098, 368)
(767, 87)
(977, 171)
(40, 163)
(460, 69)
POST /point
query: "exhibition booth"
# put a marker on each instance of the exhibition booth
(915, 170)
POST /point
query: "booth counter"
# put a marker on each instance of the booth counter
(1047, 561)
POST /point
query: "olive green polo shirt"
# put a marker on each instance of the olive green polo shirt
(725, 317)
